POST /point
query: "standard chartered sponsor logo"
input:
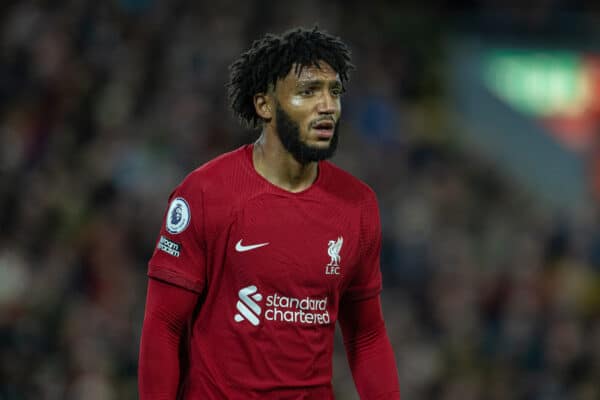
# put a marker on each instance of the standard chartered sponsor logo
(281, 308)
(291, 309)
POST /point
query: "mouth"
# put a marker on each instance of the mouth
(324, 129)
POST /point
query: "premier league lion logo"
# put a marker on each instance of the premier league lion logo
(176, 215)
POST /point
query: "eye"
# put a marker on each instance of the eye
(337, 92)
(307, 92)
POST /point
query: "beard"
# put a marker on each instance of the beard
(289, 134)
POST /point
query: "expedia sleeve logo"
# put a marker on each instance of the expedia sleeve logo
(178, 216)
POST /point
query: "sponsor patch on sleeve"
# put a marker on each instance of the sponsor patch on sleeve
(168, 246)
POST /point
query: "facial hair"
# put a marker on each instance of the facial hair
(288, 131)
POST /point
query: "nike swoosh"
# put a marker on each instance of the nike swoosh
(241, 248)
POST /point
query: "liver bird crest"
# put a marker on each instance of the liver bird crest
(334, 251)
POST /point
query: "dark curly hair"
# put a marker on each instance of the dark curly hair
(272, 57)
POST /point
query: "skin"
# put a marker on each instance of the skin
(311, 96)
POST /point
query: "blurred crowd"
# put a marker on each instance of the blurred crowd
(106, 106)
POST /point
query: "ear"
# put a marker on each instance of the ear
(263, 106)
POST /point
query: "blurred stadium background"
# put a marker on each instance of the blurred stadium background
(475, 121)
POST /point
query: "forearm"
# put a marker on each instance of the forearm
(167, 311)
(373, 366)
(369, 351)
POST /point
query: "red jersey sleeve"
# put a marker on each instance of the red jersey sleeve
(366, 281)
(179, 255)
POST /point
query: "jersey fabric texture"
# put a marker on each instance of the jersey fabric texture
(272, 268)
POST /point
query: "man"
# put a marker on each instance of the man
(263, 249)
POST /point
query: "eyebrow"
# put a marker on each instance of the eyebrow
(318, 82)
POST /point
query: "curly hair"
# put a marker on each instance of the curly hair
(272, 57)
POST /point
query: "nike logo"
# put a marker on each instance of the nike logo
(241, 248)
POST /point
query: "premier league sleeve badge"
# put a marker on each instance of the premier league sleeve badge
(178, 216)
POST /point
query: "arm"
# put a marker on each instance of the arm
(368, 349)
(168, 309)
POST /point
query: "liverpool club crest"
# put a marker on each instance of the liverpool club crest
(333, 268)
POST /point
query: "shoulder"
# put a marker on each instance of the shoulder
(342, 183)
(216, 171)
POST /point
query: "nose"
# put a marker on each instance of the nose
(328, 105)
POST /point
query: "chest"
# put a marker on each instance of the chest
(292, 245)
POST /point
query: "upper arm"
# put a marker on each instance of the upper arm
(366, 279)
(179, 255)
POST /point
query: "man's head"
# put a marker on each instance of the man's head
(294, 83)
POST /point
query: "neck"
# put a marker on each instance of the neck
(274, 163)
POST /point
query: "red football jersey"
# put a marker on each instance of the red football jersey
(272, 268)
